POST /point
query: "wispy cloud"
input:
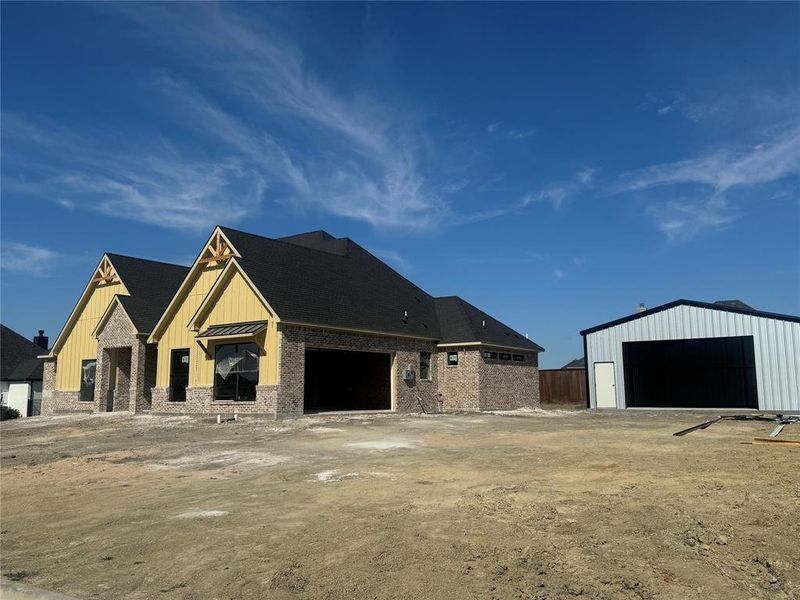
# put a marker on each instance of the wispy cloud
(395, 259)
(284, 135)
(497, 128)
(520, 134)
(712, 176)
(20, 257)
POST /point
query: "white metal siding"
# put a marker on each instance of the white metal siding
(776, 344)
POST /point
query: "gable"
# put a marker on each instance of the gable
(232, 299)
(102, 287)
(208, 265)
(76, 342)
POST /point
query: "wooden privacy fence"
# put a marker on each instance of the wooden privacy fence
(562, 386)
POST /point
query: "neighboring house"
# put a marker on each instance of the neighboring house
(21, 371)
(578, 363)
(282, 327)
(689, 354)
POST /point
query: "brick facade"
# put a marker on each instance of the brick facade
(509, 384)
(476, 383)
(122, 357)
(481, 383)
(459, 385)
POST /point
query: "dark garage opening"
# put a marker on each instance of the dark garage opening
(347, 380)
(699, 373)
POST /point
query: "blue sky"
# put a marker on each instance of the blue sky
(553, 164)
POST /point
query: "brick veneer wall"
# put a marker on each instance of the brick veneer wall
(407, 396)
(136, 362)
(55, 401)
(286, 398)
(200, 400)
(508, 384)
(459, 386)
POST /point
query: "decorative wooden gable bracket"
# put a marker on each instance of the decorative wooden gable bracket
(105, 272)
(217, 251)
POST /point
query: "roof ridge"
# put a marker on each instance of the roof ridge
(293, 245)
(152, 260)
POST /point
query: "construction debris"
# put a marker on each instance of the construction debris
(779, 420)
(773, 442)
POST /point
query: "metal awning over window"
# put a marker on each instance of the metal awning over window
(233, 330)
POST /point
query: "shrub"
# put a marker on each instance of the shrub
(6, 413)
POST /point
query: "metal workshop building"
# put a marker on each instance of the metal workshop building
(688, 354)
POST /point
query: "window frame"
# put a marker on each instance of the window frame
(236, 394)
(490, 355)
(427, 376)
(518, 357)
(451, 353)
(504, 356)
(171, 390)
(94, 381)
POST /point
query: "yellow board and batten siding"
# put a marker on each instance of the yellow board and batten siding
(80, 344)
(235, 303)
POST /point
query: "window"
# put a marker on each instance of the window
(519, 357)
(504, 356)
(424, 365)
(236, 372)
(88, 369)
(178, 374)
(452, 359)
(490, 355)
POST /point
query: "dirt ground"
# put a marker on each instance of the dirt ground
(538, 505)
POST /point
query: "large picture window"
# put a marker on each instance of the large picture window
(178, 374)
(235, 372)
(88, 370)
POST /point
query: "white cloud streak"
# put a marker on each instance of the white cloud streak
(290, 138)
(715, 174)
(29, 259)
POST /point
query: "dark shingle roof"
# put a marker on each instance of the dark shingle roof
(734, 304)
(578, 363)
(151, 284)
(317, 279)
(18, 356)
(460, 321)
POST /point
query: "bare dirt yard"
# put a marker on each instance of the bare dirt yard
(530, 506)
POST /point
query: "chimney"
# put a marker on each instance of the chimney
(641, 308)
(41, 340)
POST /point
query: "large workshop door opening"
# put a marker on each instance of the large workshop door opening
(699, 373)
(346, 380)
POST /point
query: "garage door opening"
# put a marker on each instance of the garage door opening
(345, 380)
(699, 373)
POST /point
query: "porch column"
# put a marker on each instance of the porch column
(102, 378)
(137, 401)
